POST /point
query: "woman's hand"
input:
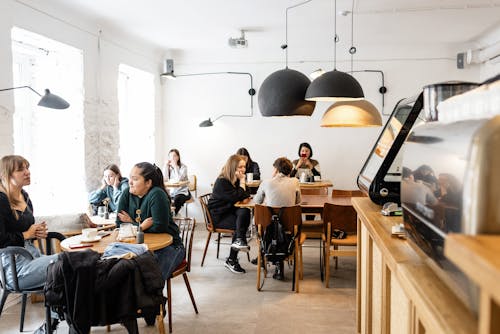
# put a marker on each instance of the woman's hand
(124, 217)
(116, 182)
(147, 223)
(41, 231)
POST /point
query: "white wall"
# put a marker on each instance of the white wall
(100, 76)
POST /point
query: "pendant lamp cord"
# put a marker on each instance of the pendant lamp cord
(285, 46)
(352, 50)
(335, 39)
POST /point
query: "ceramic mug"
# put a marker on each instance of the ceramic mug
(89, 233)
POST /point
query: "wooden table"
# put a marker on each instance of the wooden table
(176, 184)
(309, 203)
(316, 184)
(153, 240)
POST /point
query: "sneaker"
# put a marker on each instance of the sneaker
(234, 266)
(241, 245)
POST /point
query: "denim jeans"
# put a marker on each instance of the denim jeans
(169, 258)
(30, 273)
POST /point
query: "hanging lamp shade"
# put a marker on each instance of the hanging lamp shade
(282, 94)
(334, 86)
(358, 113)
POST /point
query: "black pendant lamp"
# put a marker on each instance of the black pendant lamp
(282, 92)
(334, 85)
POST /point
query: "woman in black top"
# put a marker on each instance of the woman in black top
(250, 166)
(17, 223)
(230, 188)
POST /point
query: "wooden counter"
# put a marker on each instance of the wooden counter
(479, 258)
(397, 290)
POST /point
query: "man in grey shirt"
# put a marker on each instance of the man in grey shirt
(281, 190)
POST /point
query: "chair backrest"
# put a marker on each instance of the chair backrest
(347, 193)
(186, 228)
(291, 216)
(206, 213)
(341, 217)
(192, 184)
(314, 191)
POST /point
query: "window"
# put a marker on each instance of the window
(136, 103)
(52, 140)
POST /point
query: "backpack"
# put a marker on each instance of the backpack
(276, 245)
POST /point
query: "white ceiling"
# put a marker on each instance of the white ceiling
(202, 24)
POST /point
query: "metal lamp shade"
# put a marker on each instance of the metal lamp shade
(334, 86)
(282, 94)
(360, 113)
(50, 100)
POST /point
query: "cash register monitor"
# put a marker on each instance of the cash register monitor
(380, 177)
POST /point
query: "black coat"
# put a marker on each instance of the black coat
(224, 196)
(87, 291)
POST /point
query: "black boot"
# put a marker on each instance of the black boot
(278, 271)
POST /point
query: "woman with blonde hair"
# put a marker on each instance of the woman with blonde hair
(230, 188)
(17, 224)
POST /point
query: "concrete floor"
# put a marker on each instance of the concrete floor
(230, 303)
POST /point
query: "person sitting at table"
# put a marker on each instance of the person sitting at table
(250, 166)
(112, 186)
(305, 165)
(17, 224)
(279, 191)
(147, 203)
(176, 171)
(228, 189)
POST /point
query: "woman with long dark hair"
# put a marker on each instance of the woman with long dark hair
(146, 202)
(250, 165)
(304, 164)
(112, 186)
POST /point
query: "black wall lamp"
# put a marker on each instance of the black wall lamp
(48, 100)
(209, 122)
(282, 92)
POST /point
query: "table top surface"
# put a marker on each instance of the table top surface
(308, 201)
(169, 184)
(153, 240)
(316, 184)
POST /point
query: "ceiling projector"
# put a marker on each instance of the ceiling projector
(238, 42)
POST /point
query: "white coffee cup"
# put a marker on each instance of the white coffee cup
(317, 178)
(249, 177)
(89, 233)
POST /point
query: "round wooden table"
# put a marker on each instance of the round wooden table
(153, 240)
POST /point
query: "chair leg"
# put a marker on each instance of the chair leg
(327, 266)
(336, 257)
(48, 320)
(4, 293)
(188, 286)
(218, 244)
(23, 311)
(169, 302)
(206, 248)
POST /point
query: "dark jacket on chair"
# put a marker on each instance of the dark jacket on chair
(87, 291)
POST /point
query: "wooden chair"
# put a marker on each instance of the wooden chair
(342, 217)
(193, 190)
(8, 254)
(211, 227)
(291, 219)
(186, 227)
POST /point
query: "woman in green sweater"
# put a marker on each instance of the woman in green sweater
(146, 202)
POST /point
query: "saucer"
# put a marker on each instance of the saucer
(97, 238)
